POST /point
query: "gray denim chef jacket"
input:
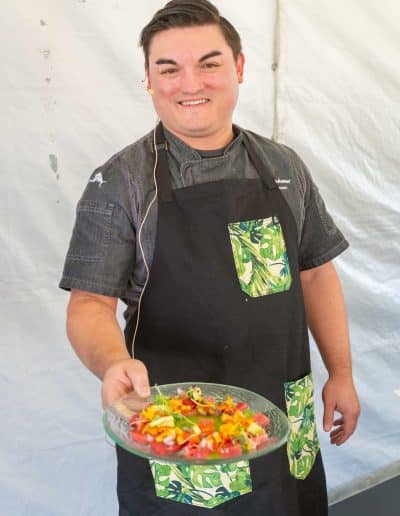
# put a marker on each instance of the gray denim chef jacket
(104, 256)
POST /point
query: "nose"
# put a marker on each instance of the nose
(191, 81)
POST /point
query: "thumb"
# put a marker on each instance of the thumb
(329, 409)
(140, 379)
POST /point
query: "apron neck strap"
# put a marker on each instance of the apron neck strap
(163, 176)
(261, 167)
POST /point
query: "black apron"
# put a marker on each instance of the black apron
(197, 324)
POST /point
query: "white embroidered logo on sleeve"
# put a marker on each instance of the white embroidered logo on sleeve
(98, 178)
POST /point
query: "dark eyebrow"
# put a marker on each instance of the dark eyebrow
(164, 61)
(214, 53)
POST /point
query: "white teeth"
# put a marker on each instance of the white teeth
(194, 102)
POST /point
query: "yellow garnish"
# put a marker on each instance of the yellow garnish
(163, 421)
(168, 420)
(255, 429)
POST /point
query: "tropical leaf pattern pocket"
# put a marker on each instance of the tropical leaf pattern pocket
(203, 486)
(303, 443)
(260, 256)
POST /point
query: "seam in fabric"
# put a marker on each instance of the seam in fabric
(79, 258)
(327, 256)
(119, 291)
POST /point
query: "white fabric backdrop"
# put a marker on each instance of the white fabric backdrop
(71, 96)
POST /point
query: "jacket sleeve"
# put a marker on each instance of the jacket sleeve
(321, 239)
(101, 253)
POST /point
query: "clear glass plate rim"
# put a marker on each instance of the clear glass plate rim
(173, 459)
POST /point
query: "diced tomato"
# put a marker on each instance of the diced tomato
(230, 450)
(261, 419)
(139, 437)
(192, 407)
(186, 434)
(164, 449)
(188, 401)
(196, 452)
(206, 425)
(242, 406)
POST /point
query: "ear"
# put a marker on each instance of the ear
(150, 90)
(147, 80)
(240, 67)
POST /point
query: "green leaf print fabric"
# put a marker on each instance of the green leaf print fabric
(204, 486)
(259, 252)
(303, 443)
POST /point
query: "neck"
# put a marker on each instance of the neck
(208, 141)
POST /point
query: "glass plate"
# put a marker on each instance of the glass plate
(116, 421)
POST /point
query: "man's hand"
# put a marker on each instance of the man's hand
(123, 377)
(339, 395)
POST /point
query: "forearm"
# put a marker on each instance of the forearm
(327, 318)
(94, 332)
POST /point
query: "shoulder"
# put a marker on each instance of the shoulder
(124, 176)
(126, 162)
(280, 159)
(289, 172)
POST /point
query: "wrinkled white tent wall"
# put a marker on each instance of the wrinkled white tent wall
(72, 96)
(339, 101)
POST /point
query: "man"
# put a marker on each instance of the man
(190, 229)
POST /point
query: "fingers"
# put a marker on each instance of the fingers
(123, 377)
(349, 425)
(112, 391)
(339, 395)
(346, 426)
(328, 416)
(337, 437)
(140, 378)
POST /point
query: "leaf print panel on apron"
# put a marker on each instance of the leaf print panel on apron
(202, 486)
(261, 260)
(303, 443)
(198, 325)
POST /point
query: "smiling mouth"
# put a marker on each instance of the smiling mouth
(191, 103)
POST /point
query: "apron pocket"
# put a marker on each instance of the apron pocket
(203, 486)
(303, 443)
(260, 256)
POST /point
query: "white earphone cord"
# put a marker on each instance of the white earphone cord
(140, 242)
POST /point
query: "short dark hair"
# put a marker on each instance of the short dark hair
(186, 13)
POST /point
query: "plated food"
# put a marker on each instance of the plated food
(199, 426)
(197, 423)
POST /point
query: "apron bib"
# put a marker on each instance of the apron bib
(224, 305)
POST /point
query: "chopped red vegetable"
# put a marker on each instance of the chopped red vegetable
(197, 426)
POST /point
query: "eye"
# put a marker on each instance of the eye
(210, 66)
(169, 71)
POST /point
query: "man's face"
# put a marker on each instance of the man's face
(195, 82)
